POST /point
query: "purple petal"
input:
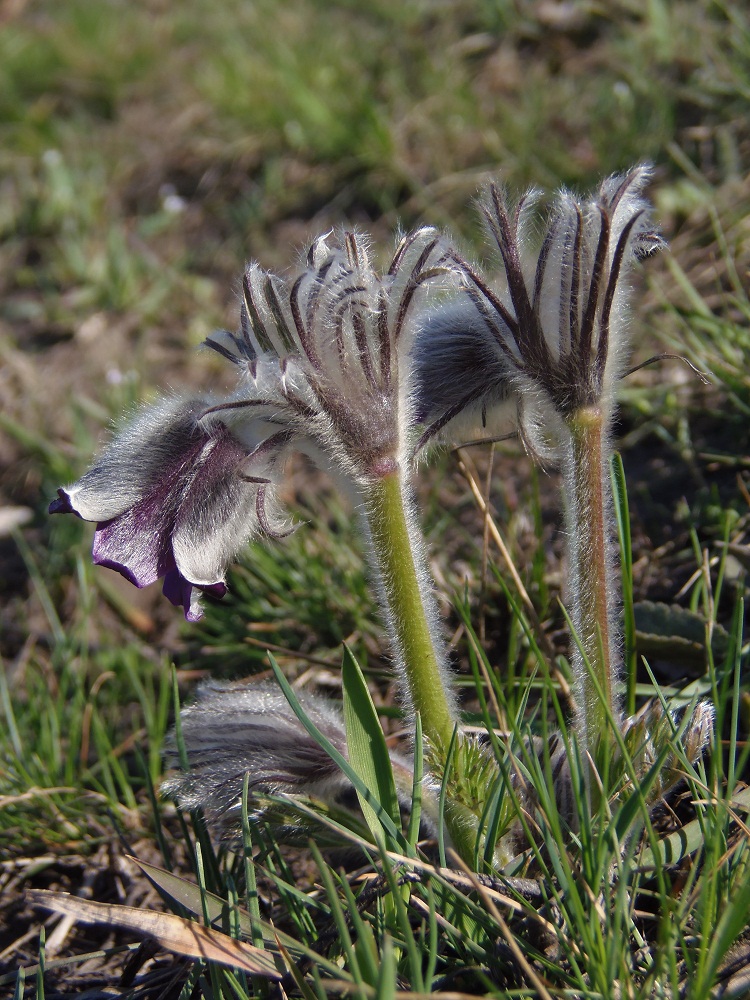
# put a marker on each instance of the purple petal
(171, 500)
(182, 593)
(179, 592)
(138, 543)
(62, 505)
(138, 560)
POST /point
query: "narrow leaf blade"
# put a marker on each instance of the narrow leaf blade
(368, 751)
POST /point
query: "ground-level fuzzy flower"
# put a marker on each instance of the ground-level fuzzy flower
(248, 731)
(234, 730)
(552, 332)
(174, 498)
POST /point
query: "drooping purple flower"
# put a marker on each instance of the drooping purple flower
(174, 498)
(323, 360)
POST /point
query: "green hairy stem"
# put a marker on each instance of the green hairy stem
(592, 574)
(400, 579)
(397, 551)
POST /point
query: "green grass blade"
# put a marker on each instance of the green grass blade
(732, 923)
(622, 517)
(323, 742)
(415, 815)
(368, 751)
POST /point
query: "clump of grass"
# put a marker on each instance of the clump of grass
(595, 899)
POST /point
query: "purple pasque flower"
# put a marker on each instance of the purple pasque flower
(325, 355)
(551, 336)
(175, 496)
(323, 359)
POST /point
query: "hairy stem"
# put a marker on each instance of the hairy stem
(405, 589)
(591, 575)
(407, 593)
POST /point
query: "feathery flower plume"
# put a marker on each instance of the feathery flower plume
(325, 357)
(551, 338)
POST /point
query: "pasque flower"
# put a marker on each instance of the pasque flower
(247, 730)
(322, 361)
(174, 498)
(552, 335)
(324, 365)
(550, 338)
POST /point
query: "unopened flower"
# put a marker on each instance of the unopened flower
(551, 334)
(323, 359)
(234, 730)
(247, 731)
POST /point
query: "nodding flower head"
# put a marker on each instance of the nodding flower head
(175, 495)
(323, 360)
(240, 729)
(551, 335)
(247, 730)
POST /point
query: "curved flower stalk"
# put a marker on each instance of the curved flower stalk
(552, 338)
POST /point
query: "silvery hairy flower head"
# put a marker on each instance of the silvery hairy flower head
(325, 355)
(247, 729)
(322, 359)
(551, 335)
(241, 729)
